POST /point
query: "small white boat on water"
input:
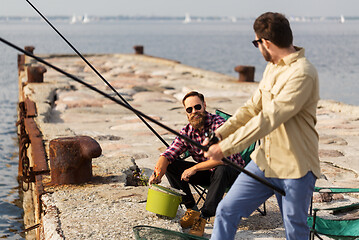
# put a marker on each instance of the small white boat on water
(85, 19)
(187, 18)
(73, 19)
(342, 19)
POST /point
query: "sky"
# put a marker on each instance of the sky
(236, 8)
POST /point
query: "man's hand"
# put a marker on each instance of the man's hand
(214, 152)
(154, 179)
(160, 170)
(188, 173)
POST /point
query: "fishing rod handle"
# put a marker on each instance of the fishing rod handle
(212, 138)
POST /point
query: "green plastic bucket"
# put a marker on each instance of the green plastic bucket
(163, 201)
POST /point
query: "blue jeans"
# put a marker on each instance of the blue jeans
(247, 194)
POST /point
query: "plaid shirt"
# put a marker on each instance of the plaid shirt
(179, 146)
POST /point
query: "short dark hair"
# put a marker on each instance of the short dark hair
(274, 27)
(191, 94)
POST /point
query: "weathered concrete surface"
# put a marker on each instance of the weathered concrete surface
(105, 208)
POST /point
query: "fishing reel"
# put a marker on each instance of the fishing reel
(213, 139)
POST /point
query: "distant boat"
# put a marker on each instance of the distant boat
(73, 19)
(85, 19)
(233, 19)
(187, 18)
(342, 19)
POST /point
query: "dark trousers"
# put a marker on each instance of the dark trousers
(217, 181)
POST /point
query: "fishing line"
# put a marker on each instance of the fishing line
(185, 138)
(94, 69)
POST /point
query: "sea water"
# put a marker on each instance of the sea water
(10, 206)
(212, 45)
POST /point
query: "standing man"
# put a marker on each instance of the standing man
(282, 113)
(214, 174)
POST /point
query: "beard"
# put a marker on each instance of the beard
(266, 55)
(197, 120)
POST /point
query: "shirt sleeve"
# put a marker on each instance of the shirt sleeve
(242, 115)
(287, 103)
(174, 151)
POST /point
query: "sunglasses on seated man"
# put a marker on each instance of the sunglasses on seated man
(197, 107)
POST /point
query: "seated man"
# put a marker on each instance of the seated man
(205, 172)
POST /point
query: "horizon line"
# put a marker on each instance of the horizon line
(169, 16)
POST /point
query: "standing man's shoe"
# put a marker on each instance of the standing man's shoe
(188, 219)
(198, 227)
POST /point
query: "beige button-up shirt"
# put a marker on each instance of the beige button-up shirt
(282, 113)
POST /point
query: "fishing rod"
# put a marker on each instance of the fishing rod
(95, 70)
(185, 138)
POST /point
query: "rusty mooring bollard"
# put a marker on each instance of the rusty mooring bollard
(35, 74)
(21, 58)
(29, 49)
(71, 159)
(246, 73)
(138, 49)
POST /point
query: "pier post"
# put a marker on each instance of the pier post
(21, 58)
(246, 73)
(29, 49)
(138, 49)
(35, 74)
(71, 159)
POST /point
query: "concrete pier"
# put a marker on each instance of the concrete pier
(104, 207)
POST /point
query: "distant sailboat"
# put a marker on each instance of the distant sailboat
(73, 19)
(342, 19)
(85, 19)
(187, 18)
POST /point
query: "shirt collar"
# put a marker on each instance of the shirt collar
(287, 60)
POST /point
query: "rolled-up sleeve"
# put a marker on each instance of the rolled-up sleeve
(177, 147)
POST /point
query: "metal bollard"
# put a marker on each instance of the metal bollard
(29, 49)
(35, 74)
(246, 73)
(138, 49)
(71, 159)
(21, 58)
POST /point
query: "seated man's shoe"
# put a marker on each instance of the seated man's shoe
(198, 227)
(188, 219)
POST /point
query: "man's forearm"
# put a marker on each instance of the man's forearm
(161, 166)
(209, 164)
(160, 170)
(202, 166)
